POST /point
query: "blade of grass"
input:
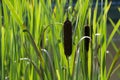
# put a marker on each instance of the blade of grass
(113, 24)
(14, 14)
(3, 51)
(115, 59)
(103, 40)
(36, 68)
(119, 9)
(113, 32)
(36, 49)
(114, 46)
(51, 65)
(118, 67)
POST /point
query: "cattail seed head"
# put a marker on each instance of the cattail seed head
(67, 38)
(87, 33)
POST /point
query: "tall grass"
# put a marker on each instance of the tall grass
(31, 41)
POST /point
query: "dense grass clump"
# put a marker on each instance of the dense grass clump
(38, 43)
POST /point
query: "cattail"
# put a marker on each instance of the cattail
(87, 33)
(67, 38)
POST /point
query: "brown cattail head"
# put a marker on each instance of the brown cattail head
(87, 33)
(67, 38)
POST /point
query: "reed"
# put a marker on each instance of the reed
(26, 24)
